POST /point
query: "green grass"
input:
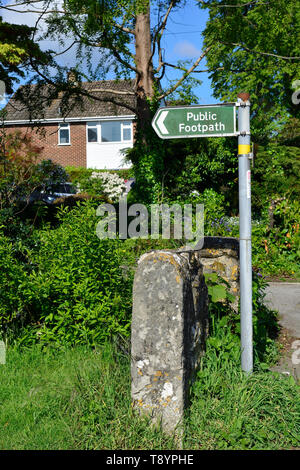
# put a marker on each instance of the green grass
(80, 399)
(73, 399)
(232, 411)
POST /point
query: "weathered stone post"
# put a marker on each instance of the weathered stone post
(169, 325)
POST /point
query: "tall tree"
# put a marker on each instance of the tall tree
(254, 46)
(118, 36)
(122, 34)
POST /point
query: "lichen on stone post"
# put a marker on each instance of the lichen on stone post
(169, 326)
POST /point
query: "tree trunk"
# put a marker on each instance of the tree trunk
(145, 75)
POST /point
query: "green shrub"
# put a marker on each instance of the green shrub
(77, 292)
(76, 173)
(12, 277)
(99, 182)
(265, 327)
(276, 250)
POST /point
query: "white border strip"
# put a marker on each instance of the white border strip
(75, 119)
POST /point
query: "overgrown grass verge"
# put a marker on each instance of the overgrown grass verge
(230, 410)
(80, 399)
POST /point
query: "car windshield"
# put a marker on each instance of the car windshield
(65, 188)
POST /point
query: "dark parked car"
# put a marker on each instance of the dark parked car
(52, 193)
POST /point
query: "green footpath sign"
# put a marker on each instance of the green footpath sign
(195, 121)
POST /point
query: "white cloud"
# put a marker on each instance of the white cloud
(186, 49)
(19, 16)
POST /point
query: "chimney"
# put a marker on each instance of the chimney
(72, 77)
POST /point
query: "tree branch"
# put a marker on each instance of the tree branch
(160, 29)
(124, 28)
(188, 72)
(66, 50)
(183, 69)
(233, 6)
(10, 8)
(247, 49)
(82, 92)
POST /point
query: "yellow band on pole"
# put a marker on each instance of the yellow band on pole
(243, 149)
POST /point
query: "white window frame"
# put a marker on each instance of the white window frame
(64, 125)
(124, 124)
(96, 126)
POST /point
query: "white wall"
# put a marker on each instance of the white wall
(107, 155)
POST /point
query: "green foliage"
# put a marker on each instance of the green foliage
(184, 94)
(18, 160)
(16, 47)
(13, 275)
(77, 173)
(226, 336)
(51, 174)
(199, 165)
(79, 399)
(277, 249)
(21, 174)
(87, 184)
(254, 48)
(148, 158)
(276, 174)
(76, 292)
(233, 411)
(218, 290)
(241, 414)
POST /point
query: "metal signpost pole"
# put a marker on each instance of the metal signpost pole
(245, 232)
(220, 121)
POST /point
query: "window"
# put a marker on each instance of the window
(109, 131)
(92, 132)
(64, 134)
(126, 130)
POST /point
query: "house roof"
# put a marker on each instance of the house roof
(44, 103)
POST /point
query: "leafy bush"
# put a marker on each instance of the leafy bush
(276, 250)
(76, 172)
(13, 275)
(76, 292)
(276, 174)
(98, 182)
(51, 173)
(111, 185)
(265, 328)
(18, 159)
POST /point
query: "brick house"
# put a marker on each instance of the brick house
(92, 134)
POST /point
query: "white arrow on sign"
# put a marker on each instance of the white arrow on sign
(160, 122)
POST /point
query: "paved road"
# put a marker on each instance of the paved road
(285, 297)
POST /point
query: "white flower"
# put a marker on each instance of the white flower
(113, 186)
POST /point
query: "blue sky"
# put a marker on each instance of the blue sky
(182, 41)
